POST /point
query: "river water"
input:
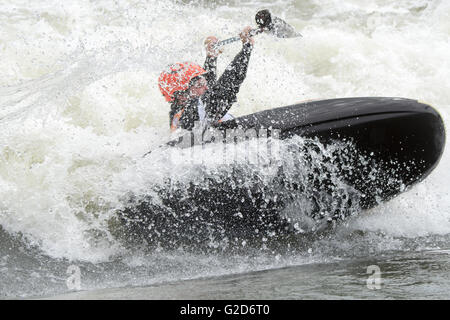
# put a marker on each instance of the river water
(79, 106)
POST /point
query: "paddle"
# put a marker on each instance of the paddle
(267, 23)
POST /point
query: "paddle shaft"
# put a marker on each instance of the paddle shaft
(253, 32)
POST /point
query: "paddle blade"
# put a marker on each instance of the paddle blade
(274, 25)
(281, 29)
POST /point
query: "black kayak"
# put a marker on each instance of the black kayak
(346, 155)
(404, 136)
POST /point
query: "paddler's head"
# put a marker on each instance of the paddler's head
(182, 81)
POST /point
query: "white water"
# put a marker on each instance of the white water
(79, 103)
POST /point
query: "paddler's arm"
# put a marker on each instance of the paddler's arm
(211, 60)
(210, 66)
(220, 97)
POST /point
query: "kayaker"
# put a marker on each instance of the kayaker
(194, 93)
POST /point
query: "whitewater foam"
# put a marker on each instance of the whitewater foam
(80, 103)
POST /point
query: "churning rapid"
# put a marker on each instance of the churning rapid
(80, 106)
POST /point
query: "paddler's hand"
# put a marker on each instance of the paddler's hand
(211, 51)
(246, 37)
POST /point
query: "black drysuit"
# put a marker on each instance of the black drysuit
(221, 94)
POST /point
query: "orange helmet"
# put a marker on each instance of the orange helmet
(176, 77)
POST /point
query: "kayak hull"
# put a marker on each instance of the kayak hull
(394, 144)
